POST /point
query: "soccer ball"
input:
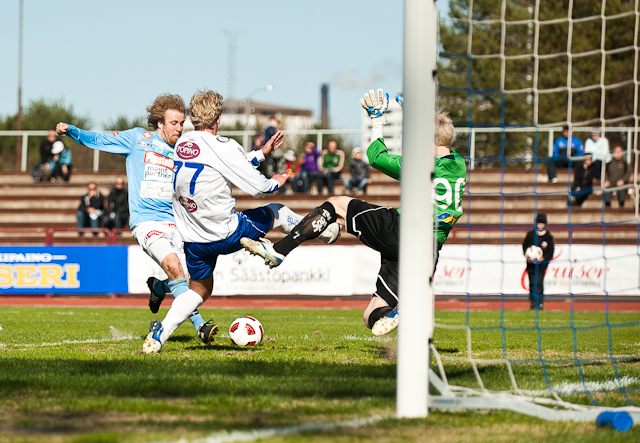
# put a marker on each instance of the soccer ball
(533, 253)
(246, 331)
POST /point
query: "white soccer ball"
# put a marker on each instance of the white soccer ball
(534, 253)
(246, 331)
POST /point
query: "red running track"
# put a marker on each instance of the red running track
(360, 302)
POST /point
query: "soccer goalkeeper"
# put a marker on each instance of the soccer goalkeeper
(379, 227)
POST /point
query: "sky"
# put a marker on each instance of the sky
(113, 58)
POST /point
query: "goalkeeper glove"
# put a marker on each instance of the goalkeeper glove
(375, 103)
(400, 100)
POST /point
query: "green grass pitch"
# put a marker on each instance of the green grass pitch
(77, 375)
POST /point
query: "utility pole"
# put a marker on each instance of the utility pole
(232, 61)
(19, 119)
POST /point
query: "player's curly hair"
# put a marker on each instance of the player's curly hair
(445, 129)
(206, 107)
(158, 110)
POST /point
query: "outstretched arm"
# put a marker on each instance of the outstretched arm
(376, 103)
(115, 144)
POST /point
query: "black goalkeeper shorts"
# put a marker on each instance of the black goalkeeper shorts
(378, 228)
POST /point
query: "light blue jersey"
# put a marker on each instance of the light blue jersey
(149, 169)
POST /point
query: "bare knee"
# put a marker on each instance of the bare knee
(171, 265)
(340, 204)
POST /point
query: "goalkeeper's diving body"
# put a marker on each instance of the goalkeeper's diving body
(150, 177)
(207, 164)
(379, 227)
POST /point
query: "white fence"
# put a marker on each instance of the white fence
(551, 134)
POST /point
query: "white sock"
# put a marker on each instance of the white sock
(181, 308)
(284, 219)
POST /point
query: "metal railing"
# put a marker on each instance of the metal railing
(551, 134)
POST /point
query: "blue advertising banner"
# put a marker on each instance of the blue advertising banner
(63, 269)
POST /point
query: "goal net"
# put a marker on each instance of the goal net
(513, 74)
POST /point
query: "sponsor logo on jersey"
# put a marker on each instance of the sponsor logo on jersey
(115, 134)
(446, 218)
(188, 204)
(157, 159)
(152, 233)
(188, 150)
(156, 190)
(159, 150)
(158, 173)
(222, 139)
(146, 134)
(170, 155)
(144, 144)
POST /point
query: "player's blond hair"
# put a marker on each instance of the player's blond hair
(158, 110)
(445, 129)
(206, 107)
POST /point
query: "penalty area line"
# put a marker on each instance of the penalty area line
(258, 434)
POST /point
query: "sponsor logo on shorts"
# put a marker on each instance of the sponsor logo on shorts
(188, 204)
(156, 159)
(146, 134)
(188, 150)
(152, 233)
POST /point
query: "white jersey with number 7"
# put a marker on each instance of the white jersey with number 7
(205, 167)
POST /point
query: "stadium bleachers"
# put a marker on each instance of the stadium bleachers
(40, 213)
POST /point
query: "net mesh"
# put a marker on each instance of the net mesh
(512, 74)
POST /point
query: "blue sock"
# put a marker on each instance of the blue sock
(178, 287)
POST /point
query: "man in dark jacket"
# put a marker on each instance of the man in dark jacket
(536, 265)
(360, 173)
(91, 207)
(118, 205)
(618, 173)
(582, 182)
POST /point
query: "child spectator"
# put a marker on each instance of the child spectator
(332, 164)
(618, 173)
(360, 173)
(582, 182)
(61, 163)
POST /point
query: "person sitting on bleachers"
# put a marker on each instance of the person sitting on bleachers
(582, 182)
(91, 209)
(61, 163)
(618, 173)
(118, 205)
(332, 161)
(563, 150)
(360, 173)
(309, 169)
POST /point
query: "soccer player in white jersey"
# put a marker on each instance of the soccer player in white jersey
(150, 175)
(206, 166)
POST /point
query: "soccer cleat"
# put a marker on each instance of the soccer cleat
(152, 343)
(541, 306)
(263, 248)
(386, 324)
(331, 234)
(157, 297)
(207, 331)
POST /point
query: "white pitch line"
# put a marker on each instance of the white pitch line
(257, 434)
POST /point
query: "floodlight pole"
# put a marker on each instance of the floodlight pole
(19, 117)
(416, 311)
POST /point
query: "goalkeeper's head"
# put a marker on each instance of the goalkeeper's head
(206, 108)
(444, 134)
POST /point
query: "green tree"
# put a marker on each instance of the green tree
(40, 114)
(469, 77)
(122, 123)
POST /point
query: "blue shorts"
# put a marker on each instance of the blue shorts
(202, 257)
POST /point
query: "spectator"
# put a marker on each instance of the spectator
(42, 171)
(332, 164)
(287, 164)
(360, 173)
(598, 147)
(618, 173)
(309, 169)
(271, 128)
(536, 269)
(61, 162)
(91, 207)
(561, 153)
(258, 142)
(582, 182)
(118, 205)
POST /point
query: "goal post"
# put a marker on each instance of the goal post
(416, 228)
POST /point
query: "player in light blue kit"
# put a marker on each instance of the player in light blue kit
(150, 175)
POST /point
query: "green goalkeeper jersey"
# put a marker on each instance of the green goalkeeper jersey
(450, 174)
